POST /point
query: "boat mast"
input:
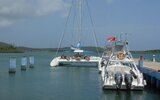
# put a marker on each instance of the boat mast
(80, 18)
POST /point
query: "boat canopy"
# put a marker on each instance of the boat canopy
(78, 51)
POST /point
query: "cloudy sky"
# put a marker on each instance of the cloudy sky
(40, 23)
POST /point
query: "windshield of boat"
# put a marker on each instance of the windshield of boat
(118, 46)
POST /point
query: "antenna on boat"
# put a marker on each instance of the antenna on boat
(126, 38)
(120, 37)
(126, 43)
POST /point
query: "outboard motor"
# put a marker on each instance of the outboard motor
(118, 79)
(128, 80)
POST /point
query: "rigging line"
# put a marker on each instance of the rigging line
(74, 22)
(94, 33)
(81, 6)
(80, 15)
(62, 36)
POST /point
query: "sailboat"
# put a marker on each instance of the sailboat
(78, 57)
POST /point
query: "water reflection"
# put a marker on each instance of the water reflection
(122, 95)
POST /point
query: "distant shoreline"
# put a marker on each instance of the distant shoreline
(147, 52)
(9, 48)
(25, 49)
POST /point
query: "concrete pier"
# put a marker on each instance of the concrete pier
(151, 72)
(154, 59)
(12, 67)
(24, 63)
(31, 61)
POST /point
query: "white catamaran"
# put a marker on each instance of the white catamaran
(78, 56)
(121, 71)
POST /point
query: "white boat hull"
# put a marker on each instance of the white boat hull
(123, 87)
(93, 62)
(109, 82)
(79, 63)
(111, 85)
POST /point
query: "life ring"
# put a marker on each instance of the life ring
(120, 55)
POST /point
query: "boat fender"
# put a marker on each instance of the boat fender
(87, 58)
(68, 58)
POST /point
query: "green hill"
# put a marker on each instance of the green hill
(2, 44)
(8, 48)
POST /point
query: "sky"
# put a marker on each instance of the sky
(40, 23)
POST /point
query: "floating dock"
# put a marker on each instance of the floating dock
(151, 72)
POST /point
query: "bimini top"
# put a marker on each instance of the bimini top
(78, 51)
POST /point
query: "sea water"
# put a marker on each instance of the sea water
(61, 83)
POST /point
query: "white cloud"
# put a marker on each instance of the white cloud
(12, 11)
(4, 22)
(109, 1)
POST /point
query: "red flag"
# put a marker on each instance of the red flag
(112, 39)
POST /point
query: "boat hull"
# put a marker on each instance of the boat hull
(79, 63)
(123, 87)
(111, 85)
(93, 62)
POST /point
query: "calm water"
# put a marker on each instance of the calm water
(62, 83)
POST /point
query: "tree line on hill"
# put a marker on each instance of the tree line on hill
(9, 48)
